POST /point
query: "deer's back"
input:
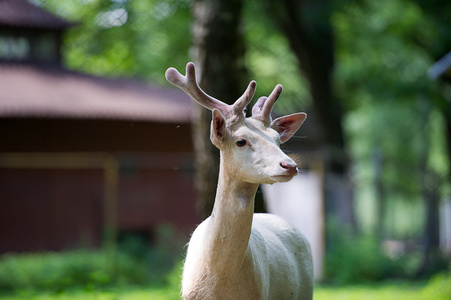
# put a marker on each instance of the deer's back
(281, 257)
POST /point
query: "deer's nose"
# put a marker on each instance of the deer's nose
(290, 168)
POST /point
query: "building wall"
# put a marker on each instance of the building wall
(89, 135)
(54, 181)
(45, 209)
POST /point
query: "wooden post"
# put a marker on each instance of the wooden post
(111, 177)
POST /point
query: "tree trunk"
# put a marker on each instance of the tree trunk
(431, 234)
(430, 188)
(378, 162)
(306, 24)
(218, 52)
(440, 45)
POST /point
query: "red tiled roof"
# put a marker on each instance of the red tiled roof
(31, 91)
(21, 13)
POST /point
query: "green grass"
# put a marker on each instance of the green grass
(438, 288)
(387, 291)
(156, 275)
(113, 294)
(371, 292)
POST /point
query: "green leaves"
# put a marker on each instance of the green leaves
(120, 38)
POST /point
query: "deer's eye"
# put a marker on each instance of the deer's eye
(241, 143)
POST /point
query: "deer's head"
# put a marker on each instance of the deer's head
(250, 147)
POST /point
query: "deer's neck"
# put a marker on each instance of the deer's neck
(230, 223)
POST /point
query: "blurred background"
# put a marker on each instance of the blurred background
(106, 169)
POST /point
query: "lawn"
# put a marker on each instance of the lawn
(113, 294)
(85, 275)
(388, 291)
(385, 291)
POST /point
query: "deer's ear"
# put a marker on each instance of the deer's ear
(218, 128)
(286, 126)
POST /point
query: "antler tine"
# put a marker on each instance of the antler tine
(262, 109)
(189, 84)
(245, 99)
(269, 103)
(258, 106)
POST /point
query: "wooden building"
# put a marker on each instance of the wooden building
(82, 155)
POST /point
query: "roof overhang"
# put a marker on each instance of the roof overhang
(23, 14)
(43, 92)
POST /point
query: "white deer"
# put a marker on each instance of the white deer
(236, 254)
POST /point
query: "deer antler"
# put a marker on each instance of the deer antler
(262, 109)
(189, 84)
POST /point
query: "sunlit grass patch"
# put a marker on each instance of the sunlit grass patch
(391, 291)
(114, 294)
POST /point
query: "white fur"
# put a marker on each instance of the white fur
(277, 265)
(235, 254)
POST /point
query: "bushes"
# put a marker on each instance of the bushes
(53, 271)
(135, 263)
(154, 263)
(358, 259)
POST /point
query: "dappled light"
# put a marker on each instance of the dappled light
(106, 169)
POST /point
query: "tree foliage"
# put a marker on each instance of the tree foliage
(138, 38)
(381, 72)
(382, 51)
